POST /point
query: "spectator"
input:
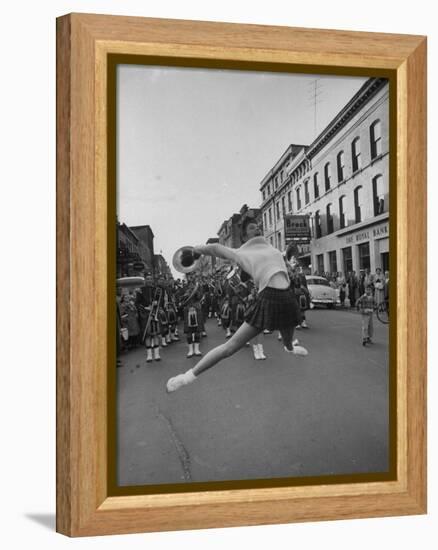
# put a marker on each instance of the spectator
(365, 304)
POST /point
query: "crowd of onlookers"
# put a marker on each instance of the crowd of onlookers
(352, 286)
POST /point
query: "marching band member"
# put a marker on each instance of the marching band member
(276, 307)
(193, 323)
(147, 302)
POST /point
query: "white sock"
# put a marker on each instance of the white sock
(189, 376)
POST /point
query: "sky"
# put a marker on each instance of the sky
(193, 145)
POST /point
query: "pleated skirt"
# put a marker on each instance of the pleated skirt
(274, 309)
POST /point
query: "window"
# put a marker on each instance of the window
(320, 263)
(341, 166)
(278, 210)
(332, 261)
(283, 205)
(264, 220)
(355, 154)
(342, 211)
(376, 139)
(318, 230)
(279, 240)
(358, 204)
(276, 182)
(364, 256)
(327, 176)
(281, 176)
(289, 200)
(270, 215)
(329, 218)
(264, 195)
(306, 192)
(347, 258)
(299, 198)
(315, 185)
(378, 195)
(271, 240)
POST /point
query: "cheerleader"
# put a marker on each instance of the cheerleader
(276, 307)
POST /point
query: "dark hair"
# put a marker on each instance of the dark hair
(245, 224)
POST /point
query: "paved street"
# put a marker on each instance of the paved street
(288, 416)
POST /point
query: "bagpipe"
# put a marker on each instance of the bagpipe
(153, 313)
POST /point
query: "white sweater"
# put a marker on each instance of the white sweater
(257, 257)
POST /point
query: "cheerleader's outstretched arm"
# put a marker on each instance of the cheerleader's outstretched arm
(217, 250)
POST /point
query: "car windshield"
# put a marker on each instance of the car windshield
(322, 282)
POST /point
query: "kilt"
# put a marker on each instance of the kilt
(274, 309)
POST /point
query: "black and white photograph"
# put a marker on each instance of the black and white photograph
(253, 267)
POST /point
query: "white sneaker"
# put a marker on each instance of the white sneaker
(295, 342)
(304, 324)
(256, 351)
(180, 380)
(163, 342)
(261, 352)
(157, 354)
(190, 353)
(297, 350)
(279, 336)
(148, 355)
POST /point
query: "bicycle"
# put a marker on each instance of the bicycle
(382, 311)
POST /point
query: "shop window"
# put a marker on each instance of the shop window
(320, 263)
(347, 259)
(332, 261)
(364, 256)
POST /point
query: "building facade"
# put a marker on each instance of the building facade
(341, 181)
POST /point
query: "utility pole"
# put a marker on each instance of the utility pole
(316, 91)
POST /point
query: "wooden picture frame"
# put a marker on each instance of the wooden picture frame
(84, 44)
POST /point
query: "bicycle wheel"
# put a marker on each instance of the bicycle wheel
(383, 312)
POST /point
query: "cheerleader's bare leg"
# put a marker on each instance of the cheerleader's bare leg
(290, 345)
(245, 333)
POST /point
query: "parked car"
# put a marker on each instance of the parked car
(321, 293)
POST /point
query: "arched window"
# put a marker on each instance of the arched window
(341, 165)
(329, 214)
(378, 195)
(298, 198)
(289, 201)
(355, 154)
(342, 211)
(376, 139)
(306, 192)
(327, 176)
(315, 185)
(318, 230)
(358, 204)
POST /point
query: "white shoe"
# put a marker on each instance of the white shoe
(295, 342)
(157, 354)
(197, 350)
(256, 351)
(180, 380)
(228, 333)
(190, 354)
(297, 350)
(148, 355)
(279, 336)
(163, 342)
(261, 352)
(304, 324)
